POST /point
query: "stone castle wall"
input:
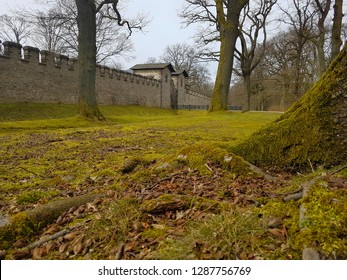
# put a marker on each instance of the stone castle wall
(30, 75)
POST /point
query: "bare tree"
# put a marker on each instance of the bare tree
(299, 17)
(223, 16)
(323, 8)
(252, 28)
(48, 30)
(184, 56)
(56, 29)
(336, 41)
(14, 28)
(278, 70)
(277, 66)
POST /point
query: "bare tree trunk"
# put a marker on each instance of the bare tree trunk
(221, 88)
(323, 11)
(336, 41)
(321, 54)
(247, 96)
(252, 24)
(228, 27)
(86, 20)
(298, 68)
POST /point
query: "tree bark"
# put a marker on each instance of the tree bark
(247, 96)
(336, 41)
(313, 132)
(228, 28)
(323, 10)
(86, 21)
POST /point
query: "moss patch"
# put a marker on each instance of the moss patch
(326, 224)
(21, 226)
(204, 156)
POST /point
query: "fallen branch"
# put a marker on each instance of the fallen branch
(47, 213)
(27, 170)
(338, 170)
(261, 172)
(209, 168)
(54, 236)
(120, 252)
(294, 196)
(37, 218)
(48, 238)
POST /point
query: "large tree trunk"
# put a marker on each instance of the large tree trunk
(86, 20)
(312, 132)
(219, 100)
(336, 41)
(228, 26)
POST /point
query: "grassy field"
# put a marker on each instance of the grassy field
(168, 182)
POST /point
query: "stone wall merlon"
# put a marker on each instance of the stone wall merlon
(12, 50)
(31, 54)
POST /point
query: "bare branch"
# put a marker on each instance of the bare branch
(118, 17)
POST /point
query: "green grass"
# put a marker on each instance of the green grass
(35, 111)
(49, 153)
(52, 143)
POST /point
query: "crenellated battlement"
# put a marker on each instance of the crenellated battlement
(29, 74)
(31, 54)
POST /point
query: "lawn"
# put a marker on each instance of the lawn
(163, 184)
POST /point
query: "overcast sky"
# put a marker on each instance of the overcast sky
(164, 29)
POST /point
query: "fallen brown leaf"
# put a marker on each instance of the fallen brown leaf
(38, 253)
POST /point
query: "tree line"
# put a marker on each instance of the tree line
(238, 34)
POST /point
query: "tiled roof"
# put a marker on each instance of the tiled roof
(153, 66)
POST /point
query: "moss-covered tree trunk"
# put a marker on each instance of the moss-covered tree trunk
(86, 21)
(312, 132)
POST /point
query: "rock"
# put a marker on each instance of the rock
(2, 255)
(274, 223)
(164, 166)
(310, 254)
(4, 220)
(277, 233)
(294, 196)
(182, 157)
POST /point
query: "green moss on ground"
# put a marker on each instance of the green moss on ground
(61, 158)
(207, 155)
(326, 224)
